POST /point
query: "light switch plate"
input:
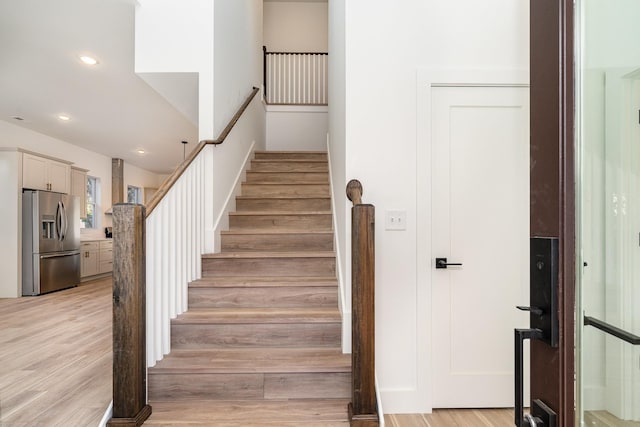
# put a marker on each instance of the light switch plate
(396, 220)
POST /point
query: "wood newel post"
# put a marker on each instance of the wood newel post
(363, 411)
(129, 339)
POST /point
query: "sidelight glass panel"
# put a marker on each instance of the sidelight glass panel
(608, 138)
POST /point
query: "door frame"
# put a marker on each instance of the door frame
(426, 79)
(553, 185)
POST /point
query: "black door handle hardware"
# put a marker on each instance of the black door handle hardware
(520, 336)
(442, 263)
(533, 310)
(543, 319)
(541, 415)
(612, 330)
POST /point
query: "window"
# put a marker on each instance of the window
(134, 194)
(93, 188)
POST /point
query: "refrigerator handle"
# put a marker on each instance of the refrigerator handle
(65, 221)
(60, 222)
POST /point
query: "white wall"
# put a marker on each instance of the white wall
(141, 178)
(296, 26)
(297, 128)
(177, 37)
(381, 121)
(10, 223)
(336, 146)
(237, 55)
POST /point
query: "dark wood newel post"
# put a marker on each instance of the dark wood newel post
(363, 410)
(129, 340)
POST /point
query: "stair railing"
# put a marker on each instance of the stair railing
(295, 78)
(363, 409)
(159, 244)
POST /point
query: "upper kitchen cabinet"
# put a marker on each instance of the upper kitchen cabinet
(43, 173)
(79, 188)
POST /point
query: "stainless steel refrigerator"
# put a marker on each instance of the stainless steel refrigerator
(50, 241)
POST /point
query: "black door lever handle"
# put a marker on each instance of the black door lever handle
(442, 263)
(535, 310)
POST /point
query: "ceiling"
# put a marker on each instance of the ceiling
(112, 111)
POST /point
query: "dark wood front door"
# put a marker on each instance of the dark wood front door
(553, 191)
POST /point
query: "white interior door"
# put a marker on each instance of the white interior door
(480, 214)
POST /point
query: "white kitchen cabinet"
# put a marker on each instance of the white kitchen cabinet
(96, 257)
(42, 173)
(79, 188)
(106, 256)
(89, 258)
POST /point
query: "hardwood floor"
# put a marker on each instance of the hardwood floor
(454, 418)
(55, 357)
(605, 419)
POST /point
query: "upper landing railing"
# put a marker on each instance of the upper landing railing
(295, 78)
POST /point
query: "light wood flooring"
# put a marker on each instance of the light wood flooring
(55, 366)
(55, 357)
(454, 418)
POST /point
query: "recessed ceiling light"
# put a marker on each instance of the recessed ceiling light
(140, 151)
(88, 60)
(64, 117)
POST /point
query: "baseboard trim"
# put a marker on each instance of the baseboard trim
(136, 421)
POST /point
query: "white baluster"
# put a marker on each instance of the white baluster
(150, 292)
(157, 284)
(172, 251)
(165, 279)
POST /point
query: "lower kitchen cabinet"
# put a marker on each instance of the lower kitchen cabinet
(96, 257)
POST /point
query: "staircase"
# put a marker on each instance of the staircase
(261, 342)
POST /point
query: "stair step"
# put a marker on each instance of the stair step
(281, 297)
(289, 203)
(263, 240)
(247, 281)
(308, 155)
(268, 315)
(308, 263)
(257, 327)
(281, 220)
(252, 413)
(288, 177)
(293, 165)
(256, 386)
(255, 189)
(254, 360)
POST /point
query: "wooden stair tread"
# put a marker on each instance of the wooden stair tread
(275, 231)
(276, 160)
(248, 413)
(277, 152)
(259, 315)
(294, 183)
(283, 197)
(270, 254)
(274, 212)
(283, 184)
(254, 360)
(247, 281)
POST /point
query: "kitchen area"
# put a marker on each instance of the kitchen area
(54, 237)
(55, 255)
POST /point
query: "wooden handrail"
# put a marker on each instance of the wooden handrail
(363, 409)
(177, 173)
